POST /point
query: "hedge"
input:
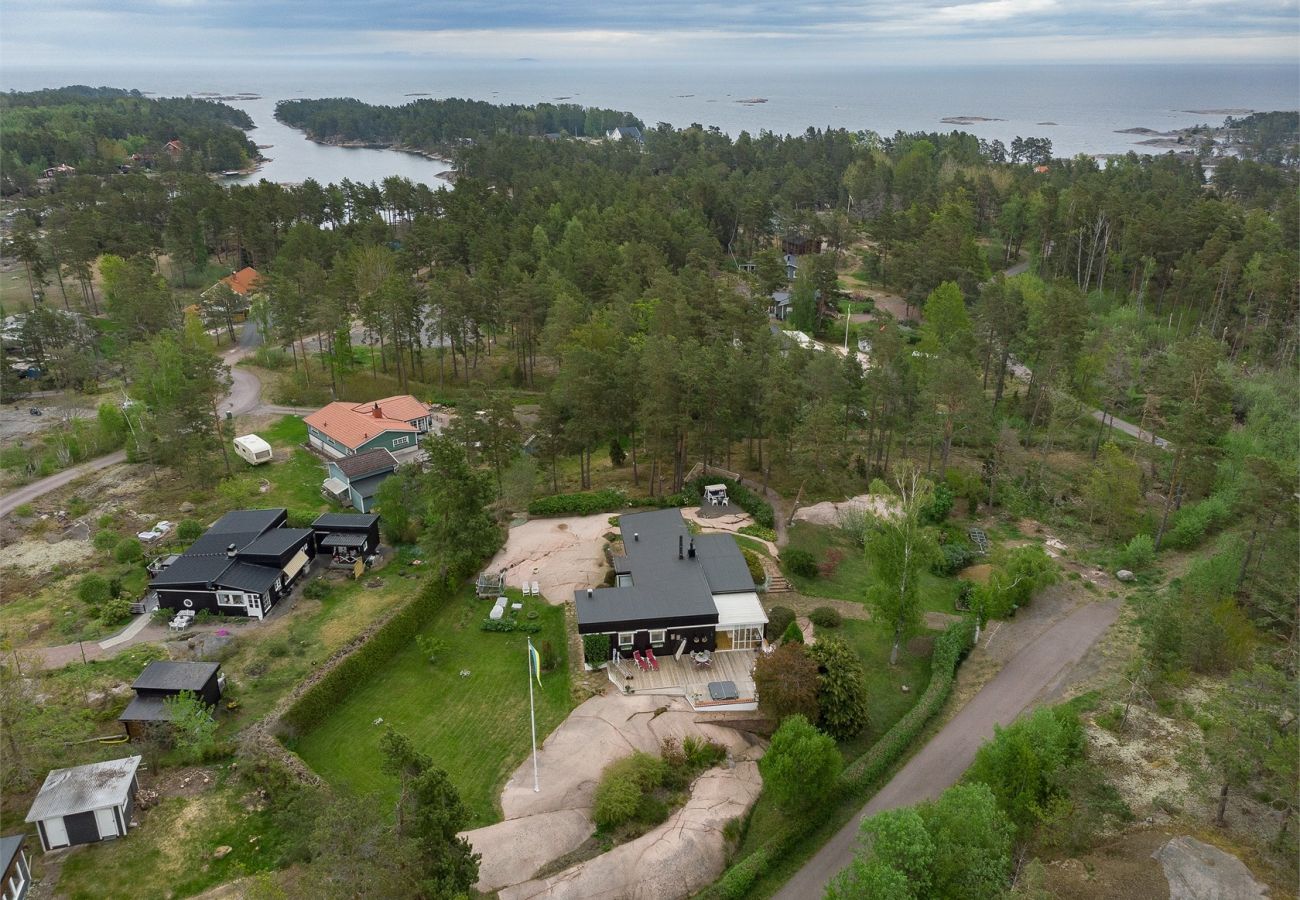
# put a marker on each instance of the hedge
(862, 774)
(584, 503)
(320, 700)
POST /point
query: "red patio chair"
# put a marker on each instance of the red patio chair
(640, 661)
(650, 657)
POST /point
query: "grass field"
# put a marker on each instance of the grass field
(475, 727)
(853, 574)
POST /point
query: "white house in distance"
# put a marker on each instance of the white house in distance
(85, 804)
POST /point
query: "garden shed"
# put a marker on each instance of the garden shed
(85, 804)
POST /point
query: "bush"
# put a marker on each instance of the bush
(842, 688)
(826, 617)
(740, 878)
(272, 358)
(317, 589)
(548, 656)
(1025, 762)
(114, 611)
(595, 649)
(93, 590)
(701, 753)
(761, 532)
(300, 518)
(105, 541)
(580, 504)
(128, 551)
(800, 766)
(623, 787)
(1194, 522)
(754, 563)
(793, 634)
(939, 506)
(952, 559)
(778, 620)
(25, 510)
(1139, 553)
(799, 562)
(189, 531)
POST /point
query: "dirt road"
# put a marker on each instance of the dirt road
(29, 492)
(1032, 673)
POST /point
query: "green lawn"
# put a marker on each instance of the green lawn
(474, 727)
(853, 574)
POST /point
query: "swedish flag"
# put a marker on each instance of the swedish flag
(534, 663)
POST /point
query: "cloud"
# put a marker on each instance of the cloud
(278, 32)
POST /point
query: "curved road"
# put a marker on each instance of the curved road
(245, 397)
(1030, 675)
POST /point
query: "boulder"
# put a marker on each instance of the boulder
(221, 852)
(187, 507)
(1125, 575)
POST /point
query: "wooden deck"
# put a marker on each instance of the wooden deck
(680, 678)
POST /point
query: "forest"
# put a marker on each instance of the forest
(438, 124)
(98, 129)
(622, 291)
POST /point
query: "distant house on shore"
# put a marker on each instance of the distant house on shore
(60, 169)
(392, 423)
(625, 133)
(780, 306)
(791, 267)
(174, 148)
(800, 245)
(354, 480)
(85, 804)
(167, 678)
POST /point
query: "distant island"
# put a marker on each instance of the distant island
(968, 120)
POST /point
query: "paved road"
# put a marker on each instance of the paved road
(1030, 675)
(245, 397)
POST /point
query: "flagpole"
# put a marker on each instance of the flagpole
(532, 715)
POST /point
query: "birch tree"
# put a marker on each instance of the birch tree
(899, 549)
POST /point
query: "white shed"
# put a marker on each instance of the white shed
(253, 450)
(85, 804)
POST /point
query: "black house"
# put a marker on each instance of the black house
(162, 679)
(674, 591)
(242, 565)
(345, 537)
(85, 804)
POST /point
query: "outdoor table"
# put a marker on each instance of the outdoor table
(723, 690)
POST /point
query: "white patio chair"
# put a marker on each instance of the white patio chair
(537, 589)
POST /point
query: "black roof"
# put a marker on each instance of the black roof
(368, 463)
(328, 521)
(343, 539)
(277, 541)
(246, 576)
(246, 520)
(9, 845)
(664, 587)
(168, 675)
(187, 569)
(146, 709)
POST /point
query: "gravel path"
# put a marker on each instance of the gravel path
(1031, 673)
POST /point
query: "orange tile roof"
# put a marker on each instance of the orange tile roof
(401, 406)
(350, 426)
(242, 281)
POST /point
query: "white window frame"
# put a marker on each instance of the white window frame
(623, 581)
(745, 637)
(662, 635)
(629, 643)
(236, 599)
(401, 441)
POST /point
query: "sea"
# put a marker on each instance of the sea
(1081, 108)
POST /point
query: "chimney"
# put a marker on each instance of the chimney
(679, 546)
(691, 551)
(376, 412)
(589, 593)
(636, 535)
(230, 551)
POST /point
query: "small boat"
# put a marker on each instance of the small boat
(231, 173)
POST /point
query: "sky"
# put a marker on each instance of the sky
(821, 32)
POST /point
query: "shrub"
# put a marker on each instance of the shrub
(736, 883)
(778, 620)
(800, 562)
(300, 518)
(826, 617)
(939, 506)
(952, 559)
(548, 656)
(432, 647)
(1014, 583)
(115, 611)
(595, 649)
(702, 753)
(761, 532)
(105, 541)
(800, 766)
(793, 634)
(1195, 521)
(25, 510)
(270, 358)
(1139, 553)
(317, 589)
(128, 551)
(93, 590)
(580, 504)
(842, 688)
(623, 786)
(754, 563)
(189, 530)
(787, 682)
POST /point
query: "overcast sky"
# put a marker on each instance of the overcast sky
(915, 32)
